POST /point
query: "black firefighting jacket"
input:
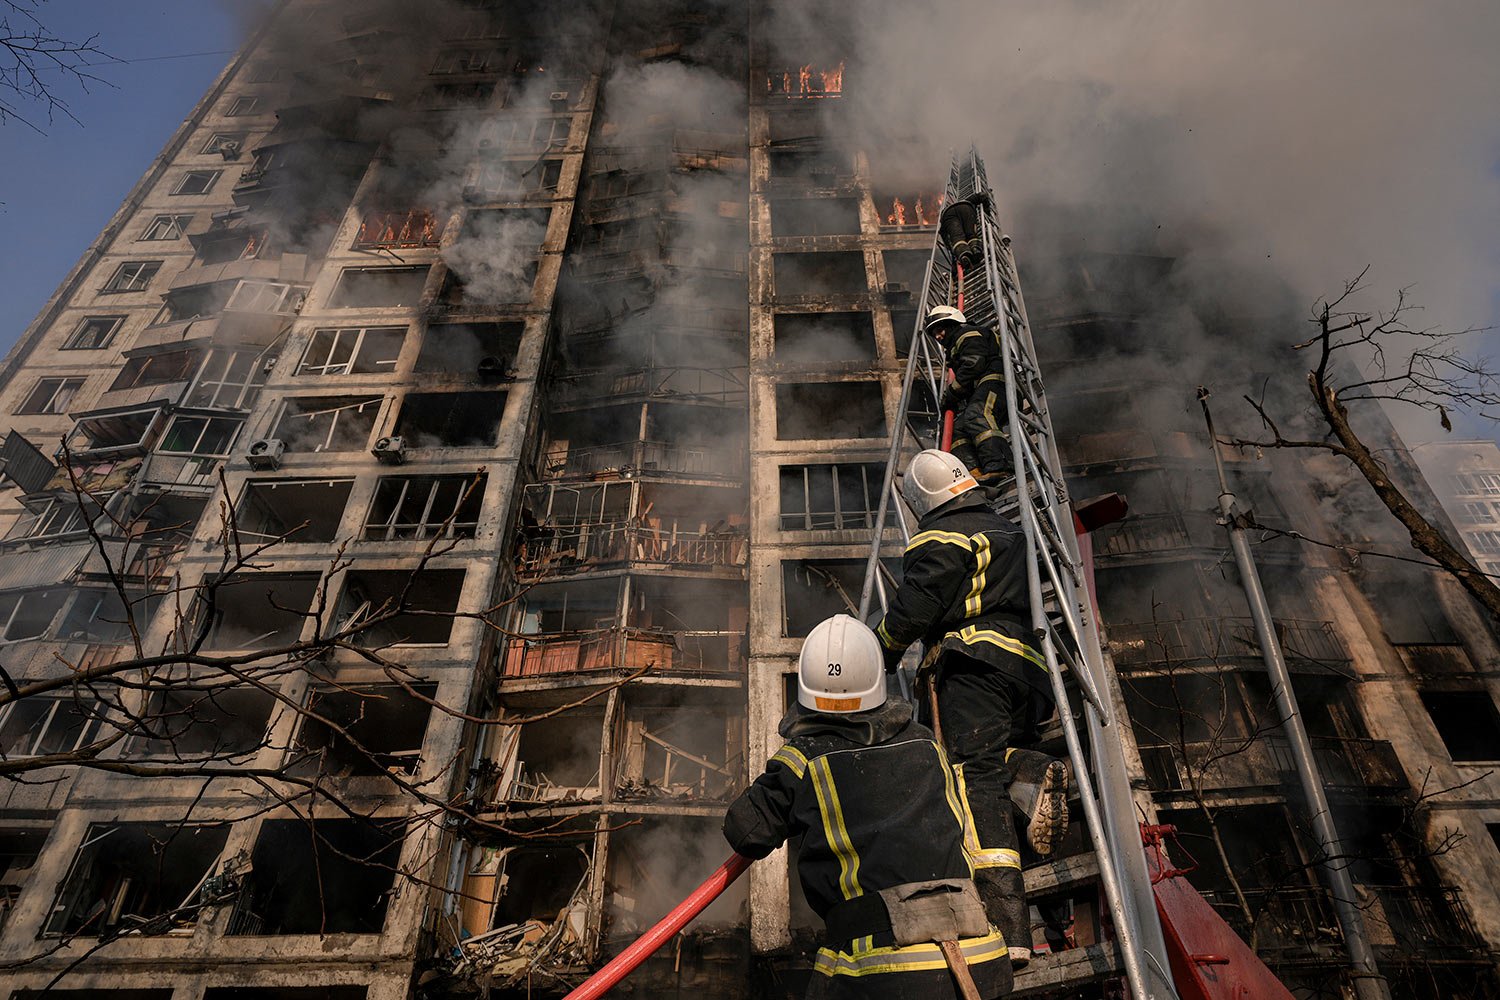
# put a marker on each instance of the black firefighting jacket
(974, 355)
(877, 805)
(963, 586)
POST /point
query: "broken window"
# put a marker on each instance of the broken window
(54, 515)
(116, 432)
(201, 437)
(382, 731)
(558, 758)
(814, 217)
(327, 423)
(188, 724)
(48, 724)
(823, 410)
(539, 883)
(679, 751)
(93, 333)
(166, 227)
(127, 874)
(353, 350)
(813, 590)
(224, 245)
(98, 615)
(906, 267)
(1467, 721)
(518, 133)
(824, 337)
(427, 600)
(332, 876)
(810, 164)
(410, 228)
(301, 510)
(51, 395)
(464, 60)
(19, 849)
(197, 182)
(653, 864)
(266, 297)
(160, 368)
(229, 380)
(494, 258)
(192, 302)
(497, 180)
(450, 419)
(830, 497)
(257, 610)
(485, 350)
(378, 287)
(1403, 620)
(28, 614)
(407, 507)
(841, 273)
(459, 95)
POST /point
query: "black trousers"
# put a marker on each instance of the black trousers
(984, 713)
(978, 438)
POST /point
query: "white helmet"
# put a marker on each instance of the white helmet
(841, 669)
(932, 479)
(938, 315)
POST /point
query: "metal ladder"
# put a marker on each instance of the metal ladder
(1062, 612)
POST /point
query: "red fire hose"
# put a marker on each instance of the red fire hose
(947, 443)
(697, 901)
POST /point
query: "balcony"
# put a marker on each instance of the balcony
(552, 550)
(1299, 924)
(720, 386)
(1358, 764)
(1310, 646)
(655, 458)
(559, 653)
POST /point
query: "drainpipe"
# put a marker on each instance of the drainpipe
(1369, 984)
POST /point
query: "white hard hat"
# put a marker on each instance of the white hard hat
(841, 669)
(938, 315)
(932, 479)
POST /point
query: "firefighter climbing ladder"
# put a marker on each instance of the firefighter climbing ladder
(988, 292)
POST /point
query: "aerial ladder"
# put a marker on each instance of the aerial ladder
(1165, 941)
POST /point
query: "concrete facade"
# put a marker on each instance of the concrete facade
(624, 282)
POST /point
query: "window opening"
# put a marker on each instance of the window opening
(450, 419)
(353, 350)
(328, 423)
(385, 720)
(51, 395)
(302, 510)
(419, 507)
(332, 876)
(133, 276)
(823, 410)
(167, 227)
(431, 597)
(93, 333)
(197, 182)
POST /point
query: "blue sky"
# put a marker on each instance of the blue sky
(59, 189)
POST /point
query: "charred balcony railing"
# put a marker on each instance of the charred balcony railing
(1297, 924)
(623, 649)
(1266, 762)
(722, 386)
(548, 550)
(534, 786)
(1308, 644)
(1141, 534)
(602, 264)
(647, 458)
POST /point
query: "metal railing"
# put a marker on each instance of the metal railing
(623, 648)
(1145, 644)
(1266, 762)
(728, 386)
(551, 549)
(648, 457)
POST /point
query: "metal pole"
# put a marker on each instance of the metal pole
(1369, 984)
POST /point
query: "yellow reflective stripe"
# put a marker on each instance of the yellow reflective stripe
(974, 603)
(964, 337)
(834, 829)
(997, 857)
(908, 958)
(954, 802)
(794, 759)
(971, 836)
(885, 636)
(973, 633)
(992, 377)
(946, 537)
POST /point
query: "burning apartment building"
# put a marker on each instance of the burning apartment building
(456, 431)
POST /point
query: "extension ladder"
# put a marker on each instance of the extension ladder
(1062, 612)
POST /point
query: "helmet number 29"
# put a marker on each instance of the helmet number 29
(835, 669)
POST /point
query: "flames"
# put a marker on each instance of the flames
(807, 81)
(924, 211)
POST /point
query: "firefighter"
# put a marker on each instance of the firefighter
(963, 593)
(976, 394)
(883, 860)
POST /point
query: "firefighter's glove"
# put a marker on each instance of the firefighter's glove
(954, 398)
(892, 657)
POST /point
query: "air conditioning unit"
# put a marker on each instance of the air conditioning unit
(268, 364)
(229, 150)
(266, 453)
(390, 450)
(896, 292)
(491, 369)
(559, 99)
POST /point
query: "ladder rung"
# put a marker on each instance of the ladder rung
(1067, 968)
